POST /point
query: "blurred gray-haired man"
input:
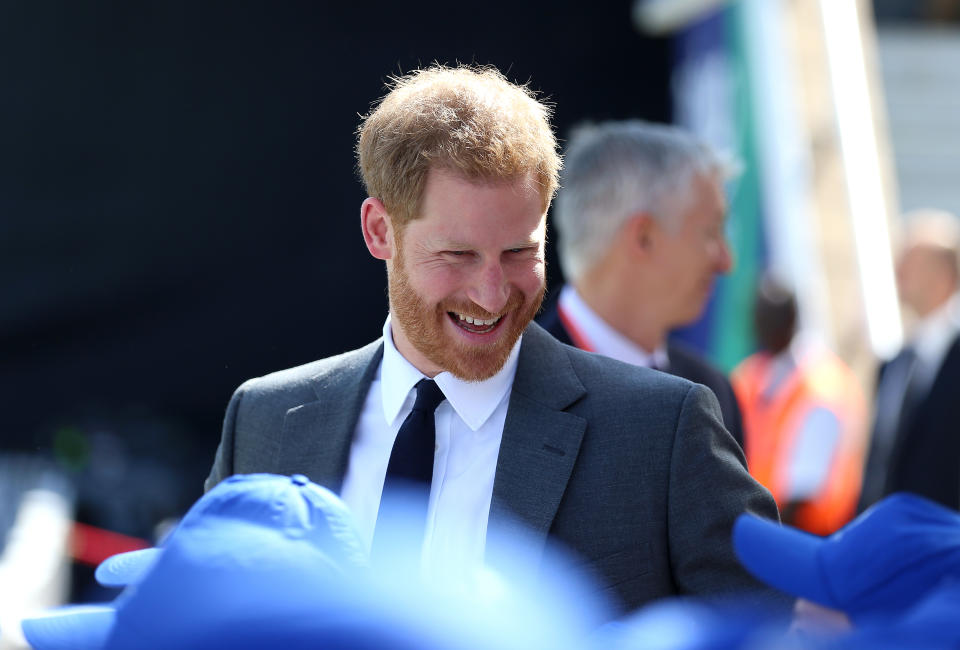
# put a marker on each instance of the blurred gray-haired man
(640, 218)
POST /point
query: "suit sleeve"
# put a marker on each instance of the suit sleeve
(223, 461)
(733, 418)
(709, 487)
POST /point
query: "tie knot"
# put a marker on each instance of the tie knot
(429, 396)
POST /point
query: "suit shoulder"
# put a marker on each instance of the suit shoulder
(618, 397)
(685, 357)
(304, 379)
(690, 364)
(596, 369)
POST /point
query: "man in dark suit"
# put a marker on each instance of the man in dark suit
(640, 219)
(630, 468)
(915, 446)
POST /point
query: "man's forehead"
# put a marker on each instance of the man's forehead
(704, 202)
(713, 185)
(451, 199)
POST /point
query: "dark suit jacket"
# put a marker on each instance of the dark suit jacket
(684, 362)
(926, 455)
(629, 467)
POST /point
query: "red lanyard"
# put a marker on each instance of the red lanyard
(579, 339)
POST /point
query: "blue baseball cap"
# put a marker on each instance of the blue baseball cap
(250, 570)
(254, 546)
(693, 624)
(879, 564)
(127, 568)
(931, 623)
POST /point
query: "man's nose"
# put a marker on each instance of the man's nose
(724, 261)
(490, 289)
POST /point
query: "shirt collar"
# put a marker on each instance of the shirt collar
(934, 334)
(605, 339)
(473, 401)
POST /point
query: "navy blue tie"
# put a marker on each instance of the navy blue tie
(410, 470)
(411, 460)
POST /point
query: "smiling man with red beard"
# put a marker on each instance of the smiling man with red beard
(499, 424)
(473, 276)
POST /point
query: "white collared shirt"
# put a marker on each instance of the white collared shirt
(469, 427)
(931, 339)
(603, 338)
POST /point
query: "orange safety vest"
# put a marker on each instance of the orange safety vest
(772, 423)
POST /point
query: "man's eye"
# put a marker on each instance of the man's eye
(458, 253)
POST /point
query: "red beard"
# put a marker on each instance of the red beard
(424, 327)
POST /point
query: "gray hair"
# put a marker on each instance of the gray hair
(614, 170)
(936, 229)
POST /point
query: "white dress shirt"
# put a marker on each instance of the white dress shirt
(469, 427)
(931, 339)
(604, 339)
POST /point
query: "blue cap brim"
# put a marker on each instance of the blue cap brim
(74, 627)
(124, 569)
(782, 557)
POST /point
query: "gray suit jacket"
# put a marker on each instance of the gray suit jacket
(644, 490)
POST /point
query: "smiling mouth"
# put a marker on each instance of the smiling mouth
(474, 325)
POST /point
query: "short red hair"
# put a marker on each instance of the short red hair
(468, 120)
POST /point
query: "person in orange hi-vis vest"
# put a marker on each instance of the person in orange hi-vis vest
(804, 418)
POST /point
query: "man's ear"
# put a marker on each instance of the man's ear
(377, 228)
(639, 234)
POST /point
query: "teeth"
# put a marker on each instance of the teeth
(478, 321)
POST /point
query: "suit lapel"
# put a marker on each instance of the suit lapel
(537, 453)
(317, 435)
(540, 439)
